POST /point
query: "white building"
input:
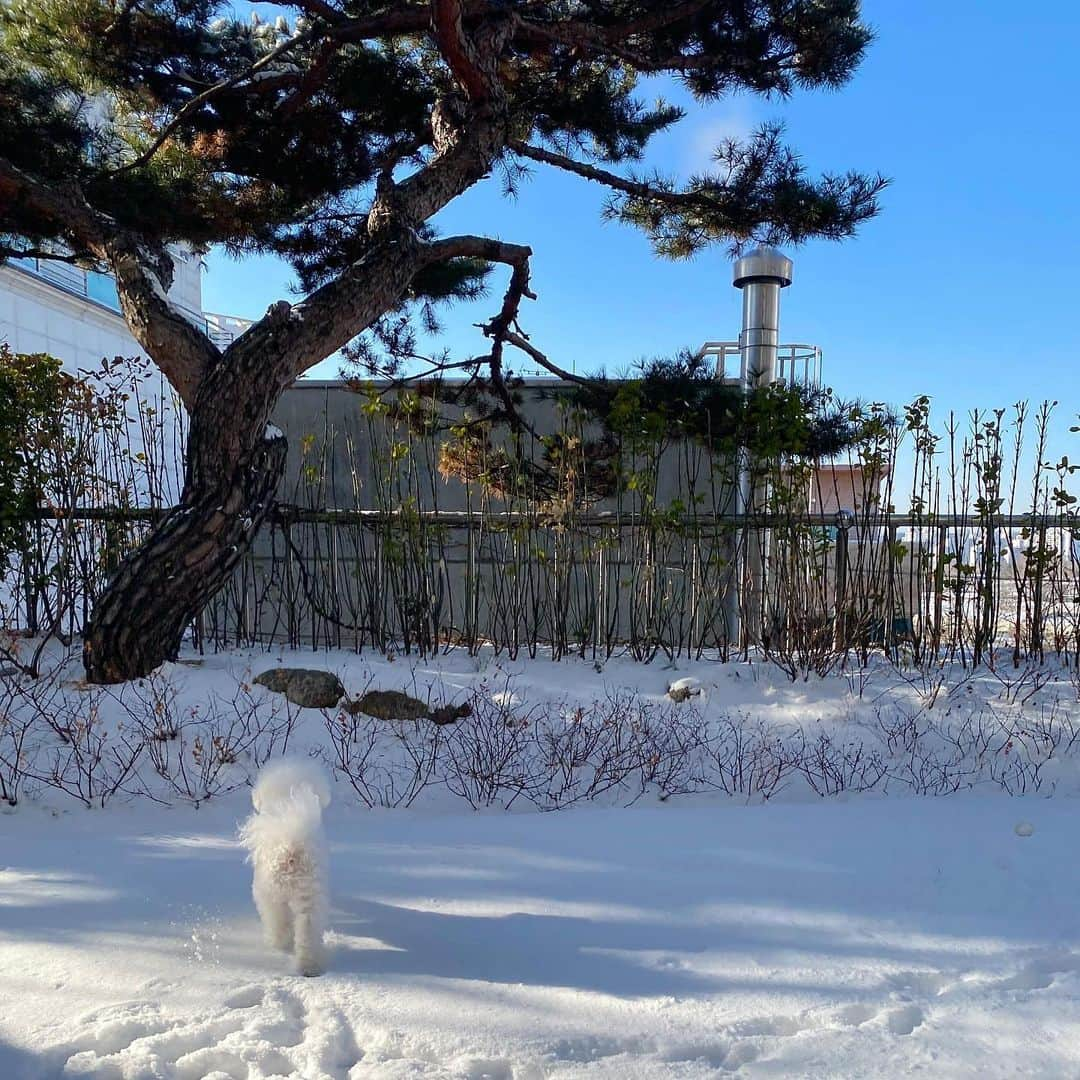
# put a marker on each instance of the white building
(52, 307)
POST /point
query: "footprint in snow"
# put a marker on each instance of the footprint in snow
(258, 1032)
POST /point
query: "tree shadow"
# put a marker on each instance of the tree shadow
(627, 958)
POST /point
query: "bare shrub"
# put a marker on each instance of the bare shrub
(672, 749)
(364, 753)
(485, 758)
(749, 760)
(585, 752)
(93, 758)
(19, 738)
(900, 730)
(354, 739)
(832, 767)
(205, 750)
(929, 774)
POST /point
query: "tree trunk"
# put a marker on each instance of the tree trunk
(233, 467)
(140, 619)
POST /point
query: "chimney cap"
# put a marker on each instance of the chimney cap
(764, 263)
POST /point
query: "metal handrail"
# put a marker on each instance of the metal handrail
(288, 514)
(795, 362)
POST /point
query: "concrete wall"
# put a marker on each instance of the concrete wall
(326, 584)
(328, 418)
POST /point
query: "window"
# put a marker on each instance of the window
(102, 288)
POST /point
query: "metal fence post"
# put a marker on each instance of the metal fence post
(844, 519)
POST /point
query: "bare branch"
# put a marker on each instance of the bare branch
(522, 342)
(9, 252)
(476, 247)
(516, 256)
(503, 329)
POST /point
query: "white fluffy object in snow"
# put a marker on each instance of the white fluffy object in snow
(287, 850)
(681, 689)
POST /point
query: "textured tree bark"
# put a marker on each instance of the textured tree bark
(233, 468)
(139, 620)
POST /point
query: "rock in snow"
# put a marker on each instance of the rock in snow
(307, 687)
(394, 705)
(683, 689)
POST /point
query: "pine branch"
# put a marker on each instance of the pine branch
(458, 50)
(177, 347)
(501, 326)
(321, 10)
(628, 186)
(209, 94)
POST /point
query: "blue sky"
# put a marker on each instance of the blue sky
(963, 288)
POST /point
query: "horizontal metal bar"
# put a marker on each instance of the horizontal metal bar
(295, 515)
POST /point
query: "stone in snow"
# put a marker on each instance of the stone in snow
(306, 687)
(395, 705)
(683, 689)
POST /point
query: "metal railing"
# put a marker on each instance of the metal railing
(223, 330)
(795, 363)
(961, 585)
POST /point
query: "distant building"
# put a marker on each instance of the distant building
(838, 486)
(47, 306)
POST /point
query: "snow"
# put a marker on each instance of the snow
(854, 936)
(273, 432)
(690, 685)
(147, 260)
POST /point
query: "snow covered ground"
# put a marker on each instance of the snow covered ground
(852, 936)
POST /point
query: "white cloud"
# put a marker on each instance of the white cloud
(701, 134)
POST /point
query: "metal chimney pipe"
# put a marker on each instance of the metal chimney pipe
(761, 274)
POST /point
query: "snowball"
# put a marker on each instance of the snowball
(1024, 828)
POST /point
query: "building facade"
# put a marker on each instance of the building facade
(47, 306)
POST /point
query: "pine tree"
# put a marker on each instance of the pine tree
(331, 136)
